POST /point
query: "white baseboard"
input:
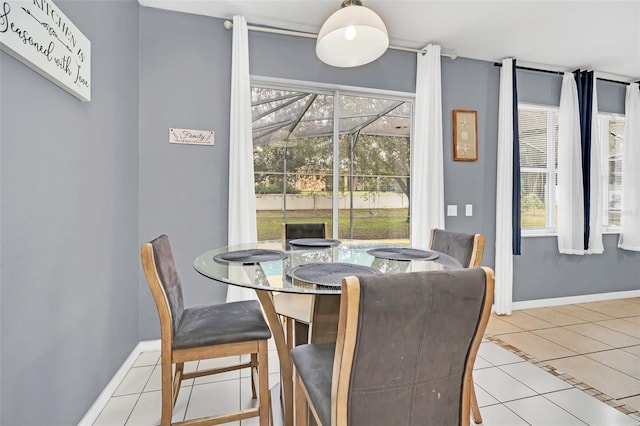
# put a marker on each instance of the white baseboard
(105, 395)
(570, 300)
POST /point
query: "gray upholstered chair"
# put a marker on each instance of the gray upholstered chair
(295, 309)
(204, 332)
(404, 354)
(466, 248)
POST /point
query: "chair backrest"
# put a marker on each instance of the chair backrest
(292, 231)
(164, 282)
(466, 248)
(406, 346)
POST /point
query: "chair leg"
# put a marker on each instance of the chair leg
(475, 410)
(177, 381)
(263, 383)
(167, 391)
(254, 369)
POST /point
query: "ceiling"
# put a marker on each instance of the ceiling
(559, 35)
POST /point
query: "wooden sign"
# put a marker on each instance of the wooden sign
(38, 34)
(191, 137)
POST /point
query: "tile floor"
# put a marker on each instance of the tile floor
(594, 346)
(566, 365)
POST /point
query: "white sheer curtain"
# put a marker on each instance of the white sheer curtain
(242, 197)
(630, 218)
(596, 214)
(427, 172)
(570, 192)
(504, 249)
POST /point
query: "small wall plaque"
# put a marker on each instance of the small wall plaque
(191, 137)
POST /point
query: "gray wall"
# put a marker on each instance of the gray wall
(185, 74)
(69, 248)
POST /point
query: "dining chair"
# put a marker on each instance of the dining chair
(203, 332)
(468, 249)
(404, 354)
(295, 309)
(292, 231)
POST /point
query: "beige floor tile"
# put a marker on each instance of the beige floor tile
(633, 402)
(604, 335)
(570, 340)
(497, 326)
(536, 346)
(625, 309)
(554, 317)
(622, 326)
(620, 360)
(615, 310)
(633, 350)
(604, 378)
(581, 313)
(526, 321)
(625, 304)
(635, 320)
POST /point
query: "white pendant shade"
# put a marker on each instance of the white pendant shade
(352, 36)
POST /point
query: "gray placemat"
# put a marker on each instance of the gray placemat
(328, 274)
(314, 242)
(402, 253)
(249, 256)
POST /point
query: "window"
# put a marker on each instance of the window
(538, 126)
(354, 176)
(611, 127)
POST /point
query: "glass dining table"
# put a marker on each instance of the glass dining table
(313, 267)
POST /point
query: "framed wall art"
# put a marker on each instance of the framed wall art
(465, 135)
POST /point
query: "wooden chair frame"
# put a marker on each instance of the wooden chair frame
(168, 356)
(345, 348)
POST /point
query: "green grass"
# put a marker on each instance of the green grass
(533, 218)
(379, 224)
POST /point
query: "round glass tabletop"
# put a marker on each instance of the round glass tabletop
(270, 271)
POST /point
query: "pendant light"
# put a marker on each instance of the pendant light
(352, 36)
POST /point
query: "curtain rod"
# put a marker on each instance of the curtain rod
(228, 25)
(518, 67)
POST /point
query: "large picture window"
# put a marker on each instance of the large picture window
(335, 156)
(538, 127)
